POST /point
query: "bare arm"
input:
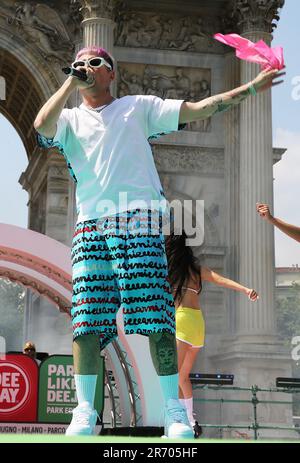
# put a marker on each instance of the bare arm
(46, 120)
(209, 275)
(291, 230)
(218, 103)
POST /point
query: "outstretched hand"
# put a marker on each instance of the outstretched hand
(267, 79)
(264, 211)
(252, 295)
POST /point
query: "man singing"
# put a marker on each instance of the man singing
(117, 259)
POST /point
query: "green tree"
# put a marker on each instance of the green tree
(288, 325)
(12, 302)
(288, 314)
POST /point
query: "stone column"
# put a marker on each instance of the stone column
(98, 23)
(256, 243)
(232, 151)
(98, 27)
(256, 248)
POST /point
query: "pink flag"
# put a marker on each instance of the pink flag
(260, 52)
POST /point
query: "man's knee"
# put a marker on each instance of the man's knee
(86, 354)
(87, 341)
(156, 337)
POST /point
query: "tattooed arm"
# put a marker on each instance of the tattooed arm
(190, 112)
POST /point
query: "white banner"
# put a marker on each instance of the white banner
(32, 428)
(36, 428)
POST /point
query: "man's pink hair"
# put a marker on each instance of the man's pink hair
(97, 51)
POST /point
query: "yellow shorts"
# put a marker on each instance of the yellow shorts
(190, 326)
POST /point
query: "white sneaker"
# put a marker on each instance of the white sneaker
(83, 421)
(177, 425)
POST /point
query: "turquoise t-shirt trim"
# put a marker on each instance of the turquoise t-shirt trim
(45, 142)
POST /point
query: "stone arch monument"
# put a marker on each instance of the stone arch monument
(166, 48)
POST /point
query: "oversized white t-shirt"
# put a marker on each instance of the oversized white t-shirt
(109, 154)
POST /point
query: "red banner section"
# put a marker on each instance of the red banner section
(18, 388)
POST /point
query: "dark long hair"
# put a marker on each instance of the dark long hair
(182, 264)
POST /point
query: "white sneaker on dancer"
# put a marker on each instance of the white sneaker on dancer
(177, 425)
(83, 422)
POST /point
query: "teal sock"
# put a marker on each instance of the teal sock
(86, 388)
(169, 386)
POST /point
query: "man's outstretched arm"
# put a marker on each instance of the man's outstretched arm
(203, 109)
(291, 230)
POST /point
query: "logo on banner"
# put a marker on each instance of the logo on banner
(14, 387)
(18, 389)
(57, 393)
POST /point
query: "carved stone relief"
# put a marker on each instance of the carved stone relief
(179, 170)
(41, 26)
(99, 8)
(255, 14)
(71, 15)
(166, 82)
(188, 159)
(166, 32)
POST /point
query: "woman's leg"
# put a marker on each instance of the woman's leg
(182, 349)
(189, 356)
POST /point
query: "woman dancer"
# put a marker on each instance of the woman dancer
(186, 276)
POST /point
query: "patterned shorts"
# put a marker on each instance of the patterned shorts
(120, 261)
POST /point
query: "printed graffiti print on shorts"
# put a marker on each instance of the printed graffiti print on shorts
(115, 265)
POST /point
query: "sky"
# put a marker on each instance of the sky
(286, 134)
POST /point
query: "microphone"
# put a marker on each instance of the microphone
(74, 72)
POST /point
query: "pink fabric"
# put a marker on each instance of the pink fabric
(259, 52)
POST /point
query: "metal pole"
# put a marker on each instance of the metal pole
(255, 401)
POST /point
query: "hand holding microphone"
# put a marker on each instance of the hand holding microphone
(84, 77)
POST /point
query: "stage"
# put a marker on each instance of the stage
(103, 440)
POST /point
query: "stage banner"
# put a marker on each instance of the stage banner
(57, 394)
(18, 388)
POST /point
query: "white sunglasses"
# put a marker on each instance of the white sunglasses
(93, 62)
